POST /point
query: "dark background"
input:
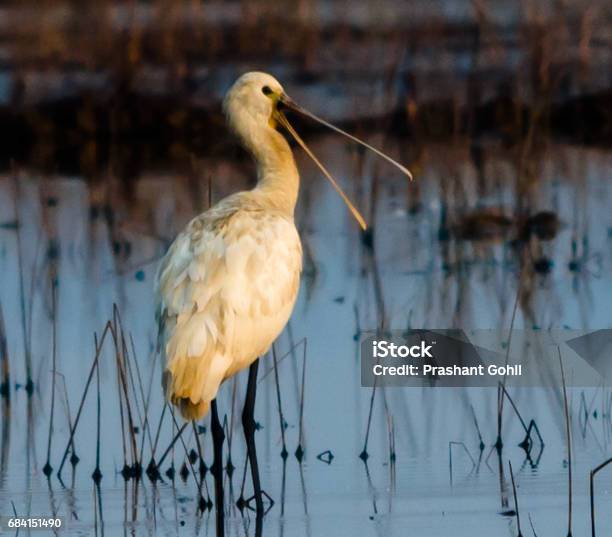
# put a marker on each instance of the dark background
(92, 86)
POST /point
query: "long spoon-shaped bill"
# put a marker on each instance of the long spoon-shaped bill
(289, 103)
(280, 117)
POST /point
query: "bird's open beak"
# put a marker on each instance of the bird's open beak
(279, 117)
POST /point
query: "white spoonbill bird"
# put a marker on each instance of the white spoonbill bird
(229, 281)
(228, 284)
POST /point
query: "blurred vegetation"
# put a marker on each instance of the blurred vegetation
(85, 84)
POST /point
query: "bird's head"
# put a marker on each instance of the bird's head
(253, 99)
(255, 103)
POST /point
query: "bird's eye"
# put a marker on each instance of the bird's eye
(266, 90)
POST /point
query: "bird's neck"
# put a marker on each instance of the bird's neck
(278, 180)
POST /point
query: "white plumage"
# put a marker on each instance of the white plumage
(228, 284)
(227, 287)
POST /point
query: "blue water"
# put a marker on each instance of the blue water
(415, 493)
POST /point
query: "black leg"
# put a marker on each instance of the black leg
(248, 423)
(218, 437)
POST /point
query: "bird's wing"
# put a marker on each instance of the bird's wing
(229, 264)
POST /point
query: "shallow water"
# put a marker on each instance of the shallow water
(417, 280)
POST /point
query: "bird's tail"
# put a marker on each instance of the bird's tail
(189, 410)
